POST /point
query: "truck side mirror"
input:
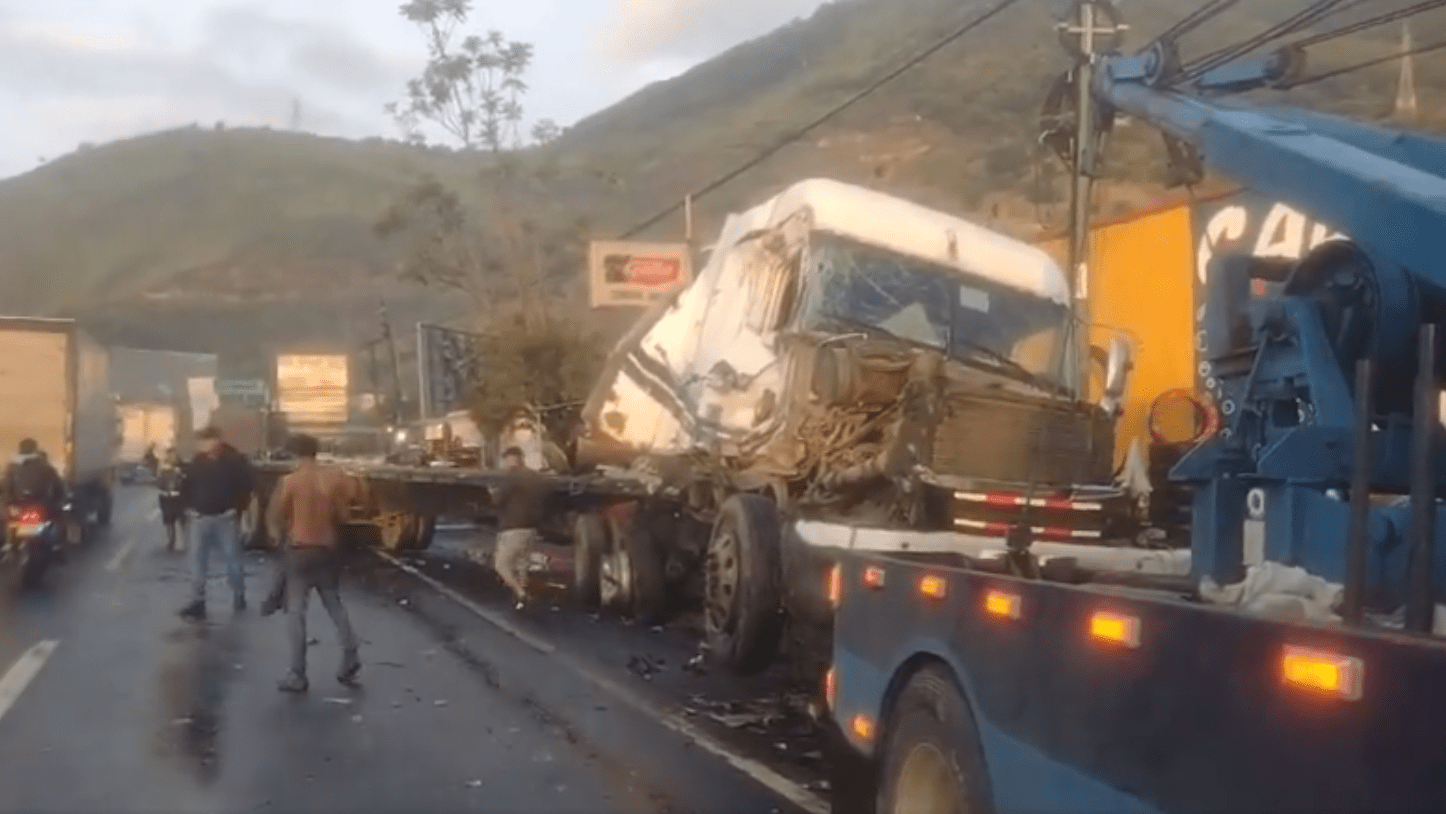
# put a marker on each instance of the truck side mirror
(1118, 365)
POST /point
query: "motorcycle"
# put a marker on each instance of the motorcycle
(30, 541)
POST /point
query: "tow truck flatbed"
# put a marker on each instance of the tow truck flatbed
(1072, 698)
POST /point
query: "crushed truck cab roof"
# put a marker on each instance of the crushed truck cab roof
(907, 228)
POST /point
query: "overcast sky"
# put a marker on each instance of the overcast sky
(74, 71)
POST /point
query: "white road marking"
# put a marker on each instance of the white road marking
(20, 674)
(155, 515)
(120, 556)
(768, 778)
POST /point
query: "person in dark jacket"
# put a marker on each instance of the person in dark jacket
(172, 505)
(521, 501)
(216, 488)
(30, 477)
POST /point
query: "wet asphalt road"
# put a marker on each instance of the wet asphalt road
(135, 710)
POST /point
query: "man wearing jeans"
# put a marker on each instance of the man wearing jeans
(216, 489)
(521, 500)
(309, 506)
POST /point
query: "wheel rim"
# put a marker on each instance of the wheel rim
(722, 576)
(392, 529)
(615, 579)
(927, 784)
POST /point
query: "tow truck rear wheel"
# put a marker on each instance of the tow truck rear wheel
(932, 760)
(589, 546)
(743, 600)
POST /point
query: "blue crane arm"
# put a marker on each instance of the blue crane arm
(1384, 189)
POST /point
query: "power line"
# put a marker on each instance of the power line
(834, 111)
(1306, 17)
(1435, 46)
(1371, 22)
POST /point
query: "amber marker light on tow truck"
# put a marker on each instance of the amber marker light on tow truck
(933, 586)
(1115, 628)
(1003, 604)
(835, 586)
(873, 577)
(1322, 672)
(830, 687)
(863, 727)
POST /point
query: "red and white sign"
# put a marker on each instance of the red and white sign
(637, 274)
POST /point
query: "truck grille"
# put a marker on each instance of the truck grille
(1021, 441)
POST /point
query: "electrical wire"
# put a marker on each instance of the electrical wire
(793, 136)
(1191, 21)
(1306, 17)
(1371, 22)
(1435, 46)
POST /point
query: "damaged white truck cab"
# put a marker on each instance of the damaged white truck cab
(844, 357)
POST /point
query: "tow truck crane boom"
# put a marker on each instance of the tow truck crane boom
(1281, 367)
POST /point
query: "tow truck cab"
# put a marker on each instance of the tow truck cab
(954, 681)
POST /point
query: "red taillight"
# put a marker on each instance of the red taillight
(27, 514)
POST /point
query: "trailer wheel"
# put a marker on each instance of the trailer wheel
(589, 546)
(426, 531)
(105, 503)
(254, 534)
(743, 601)
(398, 530)
(932, 761)
(647, 576)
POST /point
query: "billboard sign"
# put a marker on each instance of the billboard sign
(312, 389)
(241, 389)
(451, 364)
(636, 274)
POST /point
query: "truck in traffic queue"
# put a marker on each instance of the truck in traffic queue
(144, 426)
(54, 389)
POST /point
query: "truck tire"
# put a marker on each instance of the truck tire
(37, 562)
(426, 531)
(105, 504)
(931, 757)
(253, 526)
(589, 546)
(743, 608)
(398, 530)
(648, 575)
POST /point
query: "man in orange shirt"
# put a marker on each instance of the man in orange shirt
(306, 511)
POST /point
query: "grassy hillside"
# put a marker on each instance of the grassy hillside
(203, 237)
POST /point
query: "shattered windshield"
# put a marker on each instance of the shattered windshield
(857, 287)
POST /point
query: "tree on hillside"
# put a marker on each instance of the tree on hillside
(499, 246)
(471, 89)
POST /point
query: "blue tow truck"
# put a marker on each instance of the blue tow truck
(1028, 684)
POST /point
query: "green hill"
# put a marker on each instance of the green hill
(209, 237)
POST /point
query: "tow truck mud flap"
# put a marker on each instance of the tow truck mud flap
(1163, 703)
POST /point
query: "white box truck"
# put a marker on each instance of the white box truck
(54, 387)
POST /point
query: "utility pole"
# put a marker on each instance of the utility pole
(1406, 81)
(1082, 37)
(396, 364)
